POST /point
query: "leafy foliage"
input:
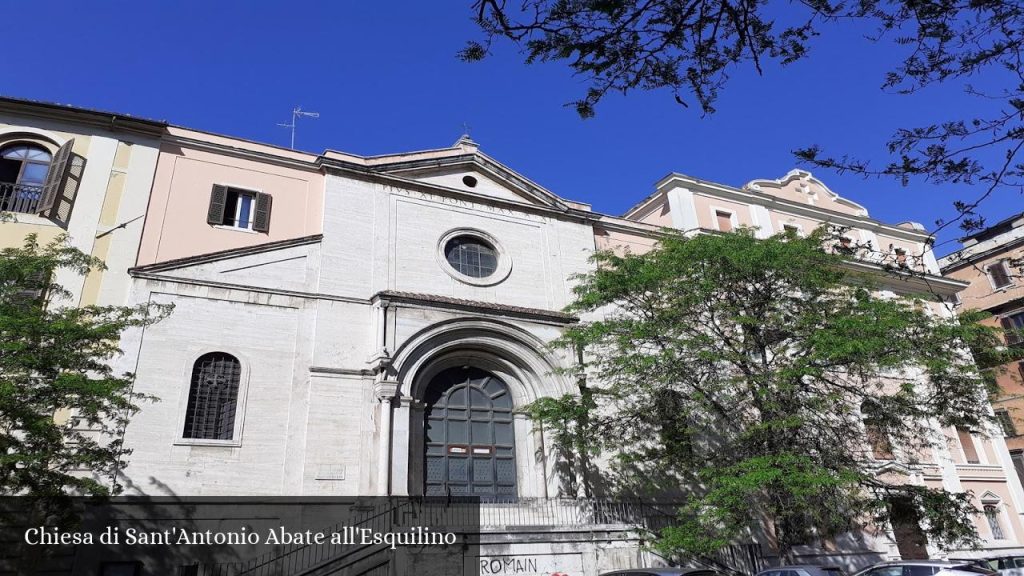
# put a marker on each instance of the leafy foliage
(690, 47)
(757, 376)
(62, 406)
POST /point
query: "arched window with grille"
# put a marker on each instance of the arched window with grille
(213, 397)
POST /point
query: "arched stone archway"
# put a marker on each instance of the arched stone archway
(520, 360)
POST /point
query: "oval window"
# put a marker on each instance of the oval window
(471, 256)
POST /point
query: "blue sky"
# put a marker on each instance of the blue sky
(384, 78)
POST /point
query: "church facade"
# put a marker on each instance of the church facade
(348, 326)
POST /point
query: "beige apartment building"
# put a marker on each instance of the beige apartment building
(991, 262)
(78, 172)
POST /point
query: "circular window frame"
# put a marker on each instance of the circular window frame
(500, 273)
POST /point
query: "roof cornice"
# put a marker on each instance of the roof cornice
(821, 214)
(907, 282)
(239, 152)
(484, 164)
(95, 118)
(963, 261)
(224, 254)
(446, 303)
(374, 175)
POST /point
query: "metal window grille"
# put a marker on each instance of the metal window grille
(471, 256)
(992, 514)
(213, 397)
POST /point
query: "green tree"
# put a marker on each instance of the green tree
(690, 47)
(756, 377)
(62, 406)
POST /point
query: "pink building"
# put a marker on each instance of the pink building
(991, 261)
(266, 194)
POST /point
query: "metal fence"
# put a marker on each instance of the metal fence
(472, 516)
(19, 198)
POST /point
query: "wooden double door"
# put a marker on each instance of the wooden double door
(469, 437)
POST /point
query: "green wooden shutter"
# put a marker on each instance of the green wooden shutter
(55, 177)
(261, 221)
(218, 199)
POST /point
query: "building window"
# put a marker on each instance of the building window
(239, 208)
(881, 447)
(845, 245)
(901, 257)
(23, 169)
(992, 515)
(999, 275)
(471, 256)
(967, 443)
(878, 440)
(724, 220)
(1013, 328)
(1006, 423)
(213, 397)
(1017, 457)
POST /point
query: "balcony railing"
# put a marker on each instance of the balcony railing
(22, 198)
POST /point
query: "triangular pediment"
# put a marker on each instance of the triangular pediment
(289, 265)
(463, 168)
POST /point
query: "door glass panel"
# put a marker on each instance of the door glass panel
(482, 433)
(457, 397)
(480, 399)
(34, 173)
(457, 432)
(503, 433)
(504, 402)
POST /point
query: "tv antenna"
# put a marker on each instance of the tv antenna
(296, 112)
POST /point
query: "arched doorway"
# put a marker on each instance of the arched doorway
(469, 440)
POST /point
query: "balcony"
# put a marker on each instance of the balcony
(21, 198)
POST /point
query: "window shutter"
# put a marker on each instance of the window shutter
(55, 177)
(218, 199)
(261, 221)
(1011, 330)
